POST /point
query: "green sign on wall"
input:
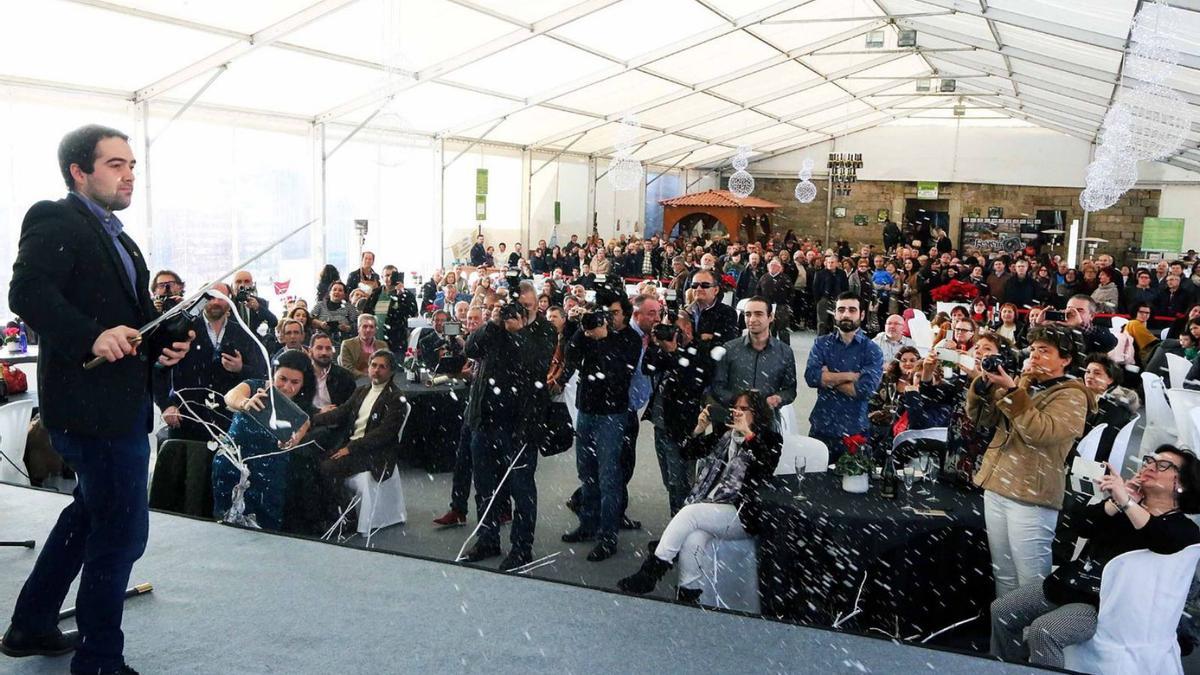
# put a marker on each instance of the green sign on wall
(480, 207)
(927, 190)
(481, 180)
(1162, 234)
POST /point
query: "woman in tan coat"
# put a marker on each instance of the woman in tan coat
(1038, 417)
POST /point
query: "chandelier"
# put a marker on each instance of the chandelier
(843, 171)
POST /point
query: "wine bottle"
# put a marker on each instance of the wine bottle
(891, 484)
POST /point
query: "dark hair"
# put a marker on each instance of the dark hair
(1189, 478)
(759, 298)
(1110, 368)
(623, 300)
(850, 295)
(907, 349)
(79, 147)
(319, 335)
(298, 360)
(1003, 344)
(336, 282)
(329, 274)
(154, 279)
(1104, 271)
(1059, 337)
(387, 355)
(764, 415)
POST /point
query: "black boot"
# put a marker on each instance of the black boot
(646, 578)
(688, 596)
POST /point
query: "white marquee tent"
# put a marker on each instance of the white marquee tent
(252, 117)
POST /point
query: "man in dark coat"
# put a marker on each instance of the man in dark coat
(368, 425)
(81, 282)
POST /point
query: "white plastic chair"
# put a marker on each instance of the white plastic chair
(414, 337)
(1120, 448)
(1160, 421)
(14, 431)
(1089, 444)
(802, 450)
(787, 420)
(1183, 401)
(741, 306)
(1118, 324)
(1135, 630)
(1177, 370)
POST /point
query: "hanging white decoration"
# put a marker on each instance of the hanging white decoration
(1159, 120)
(625, 173)
(741, 183)
(805, 190)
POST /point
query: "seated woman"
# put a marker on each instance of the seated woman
(264, 499)
(884, 407)
(723, 501)
(1038, 620)
(1011, 326)
(1116, 405)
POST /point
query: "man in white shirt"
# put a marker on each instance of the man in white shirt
(892, 338)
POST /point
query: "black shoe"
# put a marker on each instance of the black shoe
(17, 644)
(480, 552)
(577, 535)
(688, 596)
(123, 670)
(573, 505)
(514, 560)
(646, 578)
(603, 551)
(628, 523)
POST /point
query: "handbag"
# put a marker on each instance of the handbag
(1075, 581)
(14, 380)
(560, 433)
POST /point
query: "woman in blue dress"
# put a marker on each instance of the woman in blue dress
(264, 498)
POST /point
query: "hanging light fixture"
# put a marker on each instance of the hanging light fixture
(741, 183)
(805, 190)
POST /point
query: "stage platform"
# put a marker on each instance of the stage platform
(228, 600)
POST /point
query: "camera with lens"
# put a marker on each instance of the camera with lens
(511, 310)
(1054, 315)
(167, 301)
(244, 294)
(594, 319)
(664, 332)
(992, 363)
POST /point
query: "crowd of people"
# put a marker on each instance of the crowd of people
(1020, 369)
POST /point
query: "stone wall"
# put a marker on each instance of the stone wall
(1121, 224)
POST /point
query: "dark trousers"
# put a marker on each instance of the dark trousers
(628, 462)
(460, 485)
(598, 461)
(492, 452)
(102, 532)
(824, 316)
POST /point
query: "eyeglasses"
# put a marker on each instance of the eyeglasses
(963, 330)
(167, 284)
(743, 408)
(1160, 464)
(704, 285)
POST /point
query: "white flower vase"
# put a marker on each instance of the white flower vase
(856, 484)
(12, 347)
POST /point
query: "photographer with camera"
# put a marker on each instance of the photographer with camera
(604, 358)
(253, 310)
(678, 379)
(166, 290)
(1038, 417)
(1077, 317)
(334, 316)
(402, 306)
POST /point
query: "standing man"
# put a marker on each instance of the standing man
(756, 361)
(828, 284)
(845, 367)
(478, 252)
(356, 352)
(776, 288)
(81, 282)
(254, 310)
(646, 313)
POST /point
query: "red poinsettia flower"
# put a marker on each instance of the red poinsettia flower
(727, 280)
(955, 291)
(12, 331)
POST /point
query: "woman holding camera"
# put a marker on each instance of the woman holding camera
(723, 502)
(1041, 618)
(1037, 417)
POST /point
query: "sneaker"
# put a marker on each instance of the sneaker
(515, 559)
(17, 644)
(451, 518)
(577, 535)
(603, 551)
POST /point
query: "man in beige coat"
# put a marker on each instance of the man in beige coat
(356, 352)
(1038, 417)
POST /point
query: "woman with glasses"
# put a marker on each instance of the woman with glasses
(1039, 619)
(734, 465)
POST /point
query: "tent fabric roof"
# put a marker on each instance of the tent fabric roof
(715, 198)
(703, 76)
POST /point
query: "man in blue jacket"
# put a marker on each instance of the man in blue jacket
(845, 367)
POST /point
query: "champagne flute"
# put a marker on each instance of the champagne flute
(800, 464)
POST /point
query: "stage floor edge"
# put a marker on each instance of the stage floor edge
(228, 600)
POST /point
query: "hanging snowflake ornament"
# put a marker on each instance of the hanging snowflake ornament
(1156, 19)
(741, 183)
(1159, 120)
(625, 173)
(627, 133)
(805, 190)
(1153, 61)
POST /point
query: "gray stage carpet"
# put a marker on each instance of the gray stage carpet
(234, 601)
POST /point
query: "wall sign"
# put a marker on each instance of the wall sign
(927, 190)
(860, 219)
(1162, 234)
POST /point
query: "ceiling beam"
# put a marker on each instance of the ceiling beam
(637, 63)
(707, 85)
(1037, 83)
(780, 22)
(466, 58)
(224, 56)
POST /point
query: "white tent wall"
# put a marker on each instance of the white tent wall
(565, 180)
(503, 222)
(613, 205)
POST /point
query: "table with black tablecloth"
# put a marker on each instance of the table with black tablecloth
(923, 572)
(431, 433)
